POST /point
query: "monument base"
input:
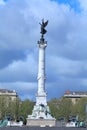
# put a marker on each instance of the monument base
(41, 122)
(41, 116)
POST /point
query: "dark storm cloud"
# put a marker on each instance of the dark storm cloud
(7, 57)
(19, 70)
(15, 30)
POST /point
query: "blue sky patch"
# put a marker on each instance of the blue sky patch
(72, 3)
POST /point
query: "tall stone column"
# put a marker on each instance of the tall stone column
(41, 93)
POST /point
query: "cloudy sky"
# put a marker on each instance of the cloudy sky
(66, 52)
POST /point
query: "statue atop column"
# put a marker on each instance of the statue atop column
(43, 30)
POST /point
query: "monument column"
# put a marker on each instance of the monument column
(41, 68)
(41, 93)
(41, 109)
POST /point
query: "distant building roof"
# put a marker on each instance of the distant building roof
(6, 92)
(75, 94)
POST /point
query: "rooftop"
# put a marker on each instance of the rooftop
(69, 93)
(7, 91)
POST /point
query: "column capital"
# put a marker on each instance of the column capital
(42, 44)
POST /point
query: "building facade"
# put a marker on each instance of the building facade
(12, 94)
(76, 95)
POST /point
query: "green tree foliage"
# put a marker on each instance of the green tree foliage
(2, 106)
(79, 108)
(15, 108)
(59, 107)
(25, 108)
(65, 107)
(8, 107)
(54, 105)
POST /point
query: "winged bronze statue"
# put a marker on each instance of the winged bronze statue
(43, 25)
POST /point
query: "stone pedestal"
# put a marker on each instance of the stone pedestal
(41, 122)
(40, 116)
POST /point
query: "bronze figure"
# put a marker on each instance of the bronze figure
(43, 25)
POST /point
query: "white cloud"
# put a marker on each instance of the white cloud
(24, 70)
(14, 31)
(83, 4)
(67, 68)
(2, 2)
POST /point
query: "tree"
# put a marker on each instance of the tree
(25, 108)
(53, 105)
(64, 107)
(8, 107)
(60, 107)
(79, 108)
